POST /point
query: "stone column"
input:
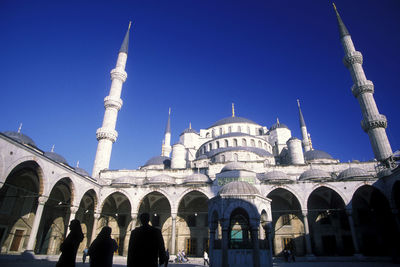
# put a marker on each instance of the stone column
(225, 246)
(256, 246)
(173, 233)
(349, 213)
(36, 222)
(307, 234)
(94, 230)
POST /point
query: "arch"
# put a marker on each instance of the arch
(65, 178)
(292, 191)
(21, 161)
(226, 142)
(235, 142)
(213, 133)
(252, 142)
(250, 208)
(119, 190)
(220, 131)
(259, 144)
(208, 195)
(207, 135)
(332, 187)
(217, 144)
(85, 214)
(244, 142)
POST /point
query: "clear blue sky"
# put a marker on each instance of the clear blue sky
(196, 57)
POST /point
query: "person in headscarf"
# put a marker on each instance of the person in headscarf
(101, 251)
(70, 245)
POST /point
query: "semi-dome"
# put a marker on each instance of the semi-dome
(189, 130)
(239, 188)
(352, 173)
(274, 176)
(229, 120)
(278, 125)
(20, 138)
(160, 179)
(158, 160)
(56, 157)
(81, 171)
(196, 178)
(314, 174)
(316, 154)
(123, 181)
(234, 166)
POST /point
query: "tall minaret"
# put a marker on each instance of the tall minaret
(305, 142)
(107, 135)
(373, 123)
(166, 146)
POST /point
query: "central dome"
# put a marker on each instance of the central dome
(229, 120)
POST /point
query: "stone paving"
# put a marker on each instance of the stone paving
(21, 261)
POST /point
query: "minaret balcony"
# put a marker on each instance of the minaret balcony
(105, 133)
(372, 122)
(366, 87)
(119, 74)
(110, 102)
(352, 58)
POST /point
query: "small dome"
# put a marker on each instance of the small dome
(229, 120)
(314, 174)
(196, 178)
(278, 125)
(189, 130)
(239, 188)
(275, 175)
(293, 138)
(81, 171)
(316, 154)
(56, 157)
(123, 181)
(234, 166)
(20, 138)
(158, 160)
(352, 173)
(160, 179)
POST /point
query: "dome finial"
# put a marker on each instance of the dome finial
(52, 148)
(20, 127)
(277, 121)
(77, 164)
(190, 125)
(233, 109)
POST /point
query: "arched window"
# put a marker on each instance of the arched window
(210, 146)
(217, 144)
(223, 158)
(239, 230)
(235, 142)
(226, 143)
(265, 146)
(207, 135)
(235, 157)
(244, 142)
(220, 131)
(260, 131)
(239, 129)
(213, 133)
(252, 142)
(259, 144)
(229, 129)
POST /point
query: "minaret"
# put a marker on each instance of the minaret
(107, 135)
(166, 146)
(373, 123)
(305, 142)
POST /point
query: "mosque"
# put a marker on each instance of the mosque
(240, 190)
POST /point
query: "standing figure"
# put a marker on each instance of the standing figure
(84, 255)
(205, 257)
(146, 245)
(70, 245)
(101, 251)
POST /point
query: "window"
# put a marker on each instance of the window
(253, 143)
(259, 144)
(191, 246)
(244, 142)
(213, 133)
(226, 143)
(210, 146)
(235, 157)
(220, 131)
(229, 129)
(217, 144)
(207, 135)
(235, 143)
(286, 219)
(18, 235)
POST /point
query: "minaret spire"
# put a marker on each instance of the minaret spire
(107, 135)
(373, 123)
(166, 146)
(305, 142)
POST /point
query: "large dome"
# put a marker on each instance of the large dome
(20, 138)
(239, 188)
(229, 120)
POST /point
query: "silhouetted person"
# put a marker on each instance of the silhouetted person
(101, 251)
(70, 245)
(84, 255)
(146, 245)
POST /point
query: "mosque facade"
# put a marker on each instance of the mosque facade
(235, 186)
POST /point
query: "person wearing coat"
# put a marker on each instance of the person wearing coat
(70, 245)
(101, 251)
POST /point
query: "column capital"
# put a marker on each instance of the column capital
(42, 200)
